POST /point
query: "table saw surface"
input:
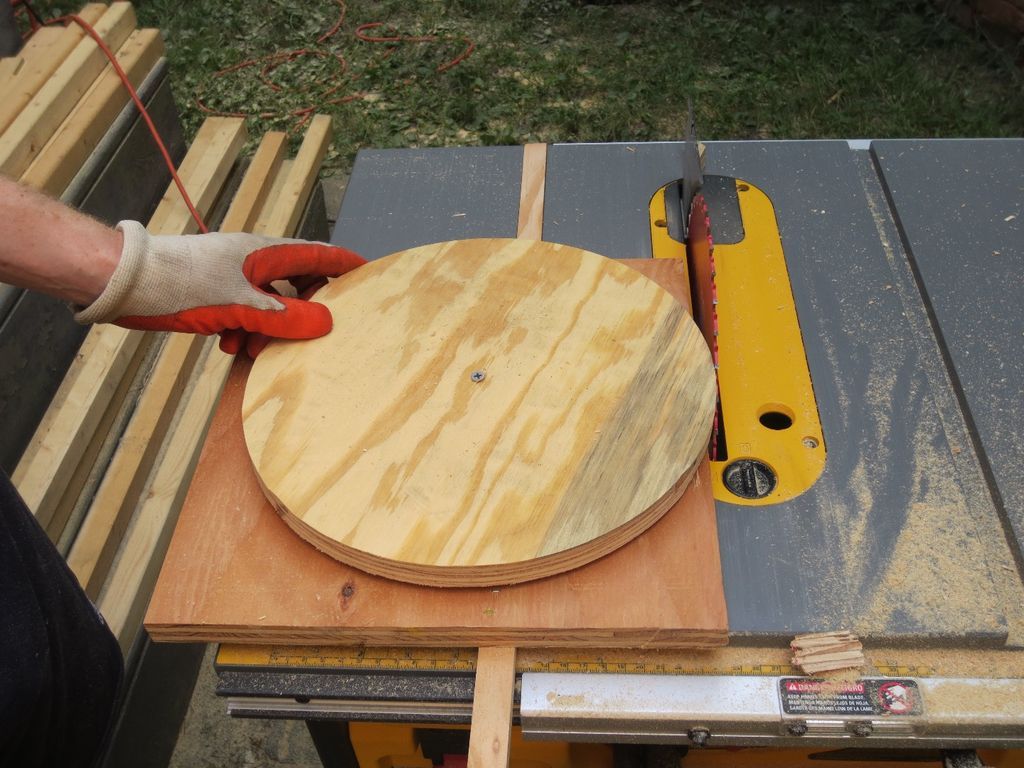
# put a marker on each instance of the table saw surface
(906, 261)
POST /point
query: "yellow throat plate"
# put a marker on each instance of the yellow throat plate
(769, 413)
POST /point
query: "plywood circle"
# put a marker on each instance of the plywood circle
(484, 412)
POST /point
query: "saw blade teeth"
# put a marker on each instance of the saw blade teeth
(701, 250)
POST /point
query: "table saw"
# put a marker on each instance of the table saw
(865, 469)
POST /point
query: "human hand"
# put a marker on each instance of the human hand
(218, 283)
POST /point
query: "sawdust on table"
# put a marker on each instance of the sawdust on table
(938, 572)
(988, 699)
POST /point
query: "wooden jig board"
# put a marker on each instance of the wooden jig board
(485, 412)
(236, 572)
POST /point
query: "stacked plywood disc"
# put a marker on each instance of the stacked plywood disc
(485, 412)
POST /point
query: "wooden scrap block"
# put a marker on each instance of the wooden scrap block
(825, 651)
(493, 691)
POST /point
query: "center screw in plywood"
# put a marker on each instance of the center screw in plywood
(478, 376)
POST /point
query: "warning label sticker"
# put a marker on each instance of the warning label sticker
(859, 698)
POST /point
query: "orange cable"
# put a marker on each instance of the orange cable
(111, 56)
(270, 62)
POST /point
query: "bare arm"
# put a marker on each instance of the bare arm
(49, 247)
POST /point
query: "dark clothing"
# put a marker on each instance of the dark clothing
(60, 667)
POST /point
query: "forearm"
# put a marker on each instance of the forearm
(49, 247)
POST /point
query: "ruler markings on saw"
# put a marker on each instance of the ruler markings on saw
(464, 660)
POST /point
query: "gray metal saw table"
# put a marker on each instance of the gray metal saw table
(906, 261)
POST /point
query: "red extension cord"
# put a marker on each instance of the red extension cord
(268, 63)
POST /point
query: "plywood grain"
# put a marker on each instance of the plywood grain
(236, 572)
(377, 444)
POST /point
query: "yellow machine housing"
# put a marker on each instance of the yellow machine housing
(768, 411)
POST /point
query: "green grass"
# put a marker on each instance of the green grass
(554, 70)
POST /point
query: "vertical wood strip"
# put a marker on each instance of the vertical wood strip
(71, 420)
(491, 728)
(266, 210)
(531, 194)
(204, 172)
(207, 164)
(133, 574)
(108, 515)
(86, 477)
(69, 424)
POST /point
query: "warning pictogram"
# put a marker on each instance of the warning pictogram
(896, 697)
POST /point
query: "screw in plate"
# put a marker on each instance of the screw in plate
(810, 442)
(749, 478)
(797, 729)
(699, 736)
(861, 729)
(477, 376)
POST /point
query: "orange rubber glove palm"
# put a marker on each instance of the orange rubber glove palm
(218, 283)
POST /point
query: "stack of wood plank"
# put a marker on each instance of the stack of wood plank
(60, 95)
(108, 467)
(68, 128)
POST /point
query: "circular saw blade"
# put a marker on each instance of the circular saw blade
(700, 251)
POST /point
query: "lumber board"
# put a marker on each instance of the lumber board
(9, 67)
(42, 475)
(207, 165)
(69, 424)
(493, 690)
(531, 194)
(592, 414)
(71, 508)
(131, 579)
(111, 508)
(58, 162)
(35, 124)
(235, 572)
(130, 583)
(300, 179)
(254, 190)
(42, 55)
(273, 194)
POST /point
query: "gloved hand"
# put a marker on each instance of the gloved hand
(218, 283)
